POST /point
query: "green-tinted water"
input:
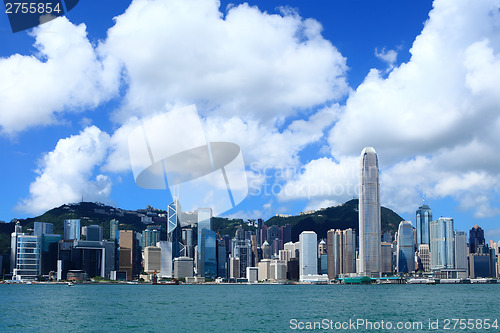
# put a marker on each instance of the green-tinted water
(244, 308)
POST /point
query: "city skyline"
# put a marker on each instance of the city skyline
(321, 81)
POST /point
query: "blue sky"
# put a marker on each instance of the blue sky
(300, 86)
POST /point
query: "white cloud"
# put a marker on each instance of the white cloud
(388, 56)
(66, 173)
(65, 75)
(323, 179)
(245, 63)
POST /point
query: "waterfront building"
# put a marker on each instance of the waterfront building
(255, 252)
(221, 259)
(405, 248)
(72, 229)
(321, 248)
(204, 222)
(129, 259)
(277, 270)
(308, 257)
(424, 256)
(27, 260)
(264, 269)
(386, 252)
(252, 274)
(13, 245)
(334, 253)
(476, 240)
(369, 215)
(113, 228)
(442, 244)
(234, 268)
(348, 251)
(166, 259)
(183, 267)
(152, 259)
(423, 220)
(479, 265)
(461, 250)
(208, 260)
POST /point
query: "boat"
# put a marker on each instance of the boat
(70, 284)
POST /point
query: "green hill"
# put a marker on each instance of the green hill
(338, 217)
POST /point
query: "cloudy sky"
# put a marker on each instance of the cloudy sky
(301, 86)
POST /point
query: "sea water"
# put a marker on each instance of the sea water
(249, 308)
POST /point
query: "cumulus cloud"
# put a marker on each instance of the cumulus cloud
(245, 63)
(66, 173)
(388, 56)
(64, 75)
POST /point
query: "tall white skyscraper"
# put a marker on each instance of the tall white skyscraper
(308, 256)
(369, 215)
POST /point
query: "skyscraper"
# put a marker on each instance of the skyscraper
(42, 228)
(423, 219)
(72, 229)
(204, 222)
(461, 250)
(369, 215)
(174, 233)
(308, 254)
(113, 228)
(208, 258)
(442, 244)
(476, 239)
(406, 248)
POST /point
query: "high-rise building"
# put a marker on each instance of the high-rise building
(308, 259)
(369, 215)
(72, 229)
(424, 256)
(27, 258)
(13, 245)
(94, 233)
(208, 259)
(128, 248)
(406, 248)
(286, 233)
(348, 251)
(166, 259)
(242, 249)
(204, 223)
(386, 257)
(174, 233)
(42, 228)
(442, 244)
(152, 259)
(113, 228)
(221, 259)
(423, 219)
(150, 236)
(461, 250)
(334, 253)
(476, 239)
(183, 267)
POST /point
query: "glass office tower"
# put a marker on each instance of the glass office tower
(423, 219)
(406, 248)
(369, 215)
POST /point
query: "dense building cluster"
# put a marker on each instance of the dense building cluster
(193, 251)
